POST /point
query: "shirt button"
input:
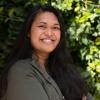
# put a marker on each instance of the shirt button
(62, 98)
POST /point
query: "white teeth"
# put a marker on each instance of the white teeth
(47, 41)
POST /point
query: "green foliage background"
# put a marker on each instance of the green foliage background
(82, 20)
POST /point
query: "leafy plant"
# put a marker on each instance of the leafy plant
(82, 18)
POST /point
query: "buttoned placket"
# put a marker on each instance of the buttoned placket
(46, 76)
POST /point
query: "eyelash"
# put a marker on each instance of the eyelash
(41, 26)
(56, 28)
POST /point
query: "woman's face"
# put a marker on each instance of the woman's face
(45, 32)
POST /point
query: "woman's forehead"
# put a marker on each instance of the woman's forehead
(46, 17)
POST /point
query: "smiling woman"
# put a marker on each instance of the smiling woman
(39, 68)
(45, 33)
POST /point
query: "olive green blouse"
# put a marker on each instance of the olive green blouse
(27, 81)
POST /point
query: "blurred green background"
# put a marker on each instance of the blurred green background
(82, 23)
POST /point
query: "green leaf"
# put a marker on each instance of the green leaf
(1, 9)
(85, 17)
(11, 11)
(85, 41)
(97, 41)
(97, 10)
(98, 68)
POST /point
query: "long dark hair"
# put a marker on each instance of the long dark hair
(59, 62)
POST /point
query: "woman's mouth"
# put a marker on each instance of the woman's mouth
(47, 41)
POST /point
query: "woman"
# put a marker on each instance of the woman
(40, 66)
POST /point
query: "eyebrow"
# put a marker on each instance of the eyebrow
(46, 23)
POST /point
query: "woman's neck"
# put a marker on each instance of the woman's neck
(42, 57)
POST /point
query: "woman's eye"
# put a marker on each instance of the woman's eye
(42, 26)
(56, 28)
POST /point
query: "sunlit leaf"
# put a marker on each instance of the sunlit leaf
(98, 68)
(1, 9)
(10, 12)
(97, 10)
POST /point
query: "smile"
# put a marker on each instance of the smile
(47, 41)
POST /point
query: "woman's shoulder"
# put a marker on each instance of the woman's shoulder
(21, 63)
(20, 67)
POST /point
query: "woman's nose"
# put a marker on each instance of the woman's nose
(49, 32)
